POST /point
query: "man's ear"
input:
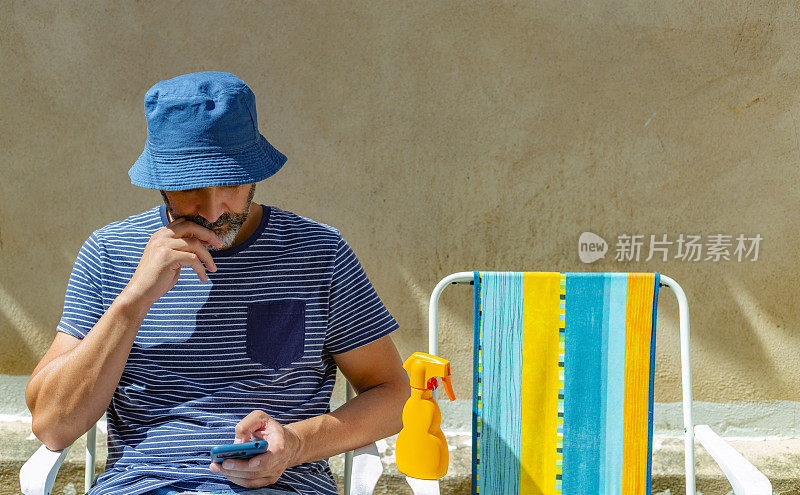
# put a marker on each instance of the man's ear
(166, 202)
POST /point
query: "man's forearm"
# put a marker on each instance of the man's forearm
(373, 414)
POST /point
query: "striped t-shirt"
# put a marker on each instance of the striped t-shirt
(259, 334)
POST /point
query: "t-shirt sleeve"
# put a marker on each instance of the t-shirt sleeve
(356, 315)
(83, 301)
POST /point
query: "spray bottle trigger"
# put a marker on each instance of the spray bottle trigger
(448, 387)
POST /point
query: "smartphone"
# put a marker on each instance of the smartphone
(243, 450)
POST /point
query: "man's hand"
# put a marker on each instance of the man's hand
(262, 469)
(181, 243)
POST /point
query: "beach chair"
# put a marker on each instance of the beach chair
(362, 466)
(498, 454)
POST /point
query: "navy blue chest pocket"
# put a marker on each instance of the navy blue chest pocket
(276, 332)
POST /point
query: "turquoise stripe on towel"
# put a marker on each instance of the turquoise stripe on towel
(582, 380)
(617, 297)
(501, 402)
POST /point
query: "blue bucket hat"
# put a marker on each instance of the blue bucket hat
(202, 131)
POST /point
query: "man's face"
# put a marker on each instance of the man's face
(222, 209)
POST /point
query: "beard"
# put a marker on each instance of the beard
(227, 225)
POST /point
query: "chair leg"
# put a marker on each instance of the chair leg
(91, 440)
(348, 456)
(348, 471)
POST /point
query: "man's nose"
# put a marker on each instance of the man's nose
(212, 206)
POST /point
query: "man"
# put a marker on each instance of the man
(212, 320)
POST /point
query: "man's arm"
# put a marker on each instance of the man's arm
(71, 387)
(376, 372)
(74, 382)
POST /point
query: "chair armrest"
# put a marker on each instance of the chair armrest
(423, 487)
(743, 476)
(39, 472)
(367, 468)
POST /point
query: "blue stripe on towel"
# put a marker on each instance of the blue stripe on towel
(475, 383)
(583, 346)
(652, 385)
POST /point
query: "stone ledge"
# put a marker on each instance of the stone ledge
(778, 459)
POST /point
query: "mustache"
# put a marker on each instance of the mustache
(226, 218)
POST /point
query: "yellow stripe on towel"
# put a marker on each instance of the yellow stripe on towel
(541, 303)
(638, 325)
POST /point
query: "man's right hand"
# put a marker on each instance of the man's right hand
(181, 243)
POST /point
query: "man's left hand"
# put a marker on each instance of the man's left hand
(262, 469)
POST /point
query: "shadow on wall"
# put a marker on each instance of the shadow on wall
(20, 338)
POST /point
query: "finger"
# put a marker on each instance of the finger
(188, 228)
(254, 464)
(253, 482)
(216, 467)
(190, 259)
(176, 221)
(260, 460)
(194, 245)
(254, 421)
(239, 467)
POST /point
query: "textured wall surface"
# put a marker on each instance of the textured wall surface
(440, 138)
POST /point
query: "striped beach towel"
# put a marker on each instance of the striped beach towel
(563, 382)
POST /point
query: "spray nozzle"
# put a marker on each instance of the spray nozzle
(423, 369)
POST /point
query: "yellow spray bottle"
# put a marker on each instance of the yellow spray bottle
(421, 450)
